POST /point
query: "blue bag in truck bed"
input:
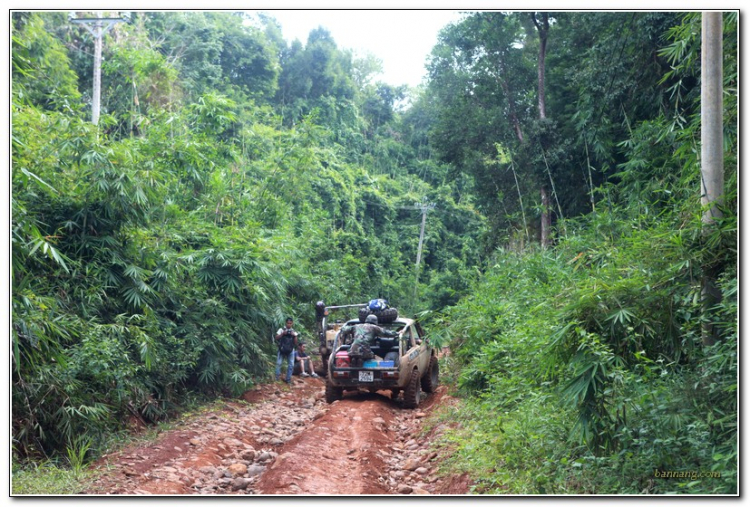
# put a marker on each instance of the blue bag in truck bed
(370, 364)
(386, 364)
(377, 305)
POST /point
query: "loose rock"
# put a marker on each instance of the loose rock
(248, 454)
(254, 470)
(237, 469)
(411, 464)
(240, 483)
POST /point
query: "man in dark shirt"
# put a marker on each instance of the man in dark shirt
(286, 341)
(303, 359)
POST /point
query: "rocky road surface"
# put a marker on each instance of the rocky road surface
(286, 440)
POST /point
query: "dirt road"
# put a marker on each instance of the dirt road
(287, 440)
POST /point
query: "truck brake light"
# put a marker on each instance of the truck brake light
(342, 360)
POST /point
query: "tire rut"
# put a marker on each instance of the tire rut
(286, 441)
(340, 455)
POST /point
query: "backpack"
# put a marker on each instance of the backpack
(286, 344)
(378, 305)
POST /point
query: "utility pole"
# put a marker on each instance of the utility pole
(97, 26)
(712, 155)
(425, 208)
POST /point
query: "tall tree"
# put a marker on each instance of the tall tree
(603, 77)
(316, 75)
(480, 79)
(542, 27)
(248, 60)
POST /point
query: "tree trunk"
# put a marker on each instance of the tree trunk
(546, 219)
(511, 106)
(712, 153)
(543, 29)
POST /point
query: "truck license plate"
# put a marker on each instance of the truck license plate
(365, 376)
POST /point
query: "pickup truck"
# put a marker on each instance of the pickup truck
(405, 364)
(327, 331)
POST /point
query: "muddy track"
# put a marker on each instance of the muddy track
(286, 440)
(340, 454)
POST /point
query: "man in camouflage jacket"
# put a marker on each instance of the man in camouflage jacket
(364, 337)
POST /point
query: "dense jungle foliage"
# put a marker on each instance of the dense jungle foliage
(236, 178)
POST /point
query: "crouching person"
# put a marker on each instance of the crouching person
(305, 362)
(364, 337)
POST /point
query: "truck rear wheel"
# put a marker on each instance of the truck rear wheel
(412, 391)
(431, 376)
(333, 393)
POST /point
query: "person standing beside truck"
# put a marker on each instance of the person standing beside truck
(286, 341)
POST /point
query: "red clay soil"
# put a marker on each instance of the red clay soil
(129, 471)
(338, 455)
(339, 452)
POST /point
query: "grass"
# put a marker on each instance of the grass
(70, 475)
(49, 478)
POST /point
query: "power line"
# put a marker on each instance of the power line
(388, 206)
(437, 210)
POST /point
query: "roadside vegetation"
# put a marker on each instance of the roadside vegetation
(585, 366)
(586, 373)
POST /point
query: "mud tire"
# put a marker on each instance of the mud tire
(431, 377)
(411, 393)
(363, 313)
(333, 393)
(386, 316)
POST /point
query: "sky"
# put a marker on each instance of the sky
(401, 39)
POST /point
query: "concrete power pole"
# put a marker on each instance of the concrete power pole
(97, 26)
(425, 208)
(712, 133)
(712, 153)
